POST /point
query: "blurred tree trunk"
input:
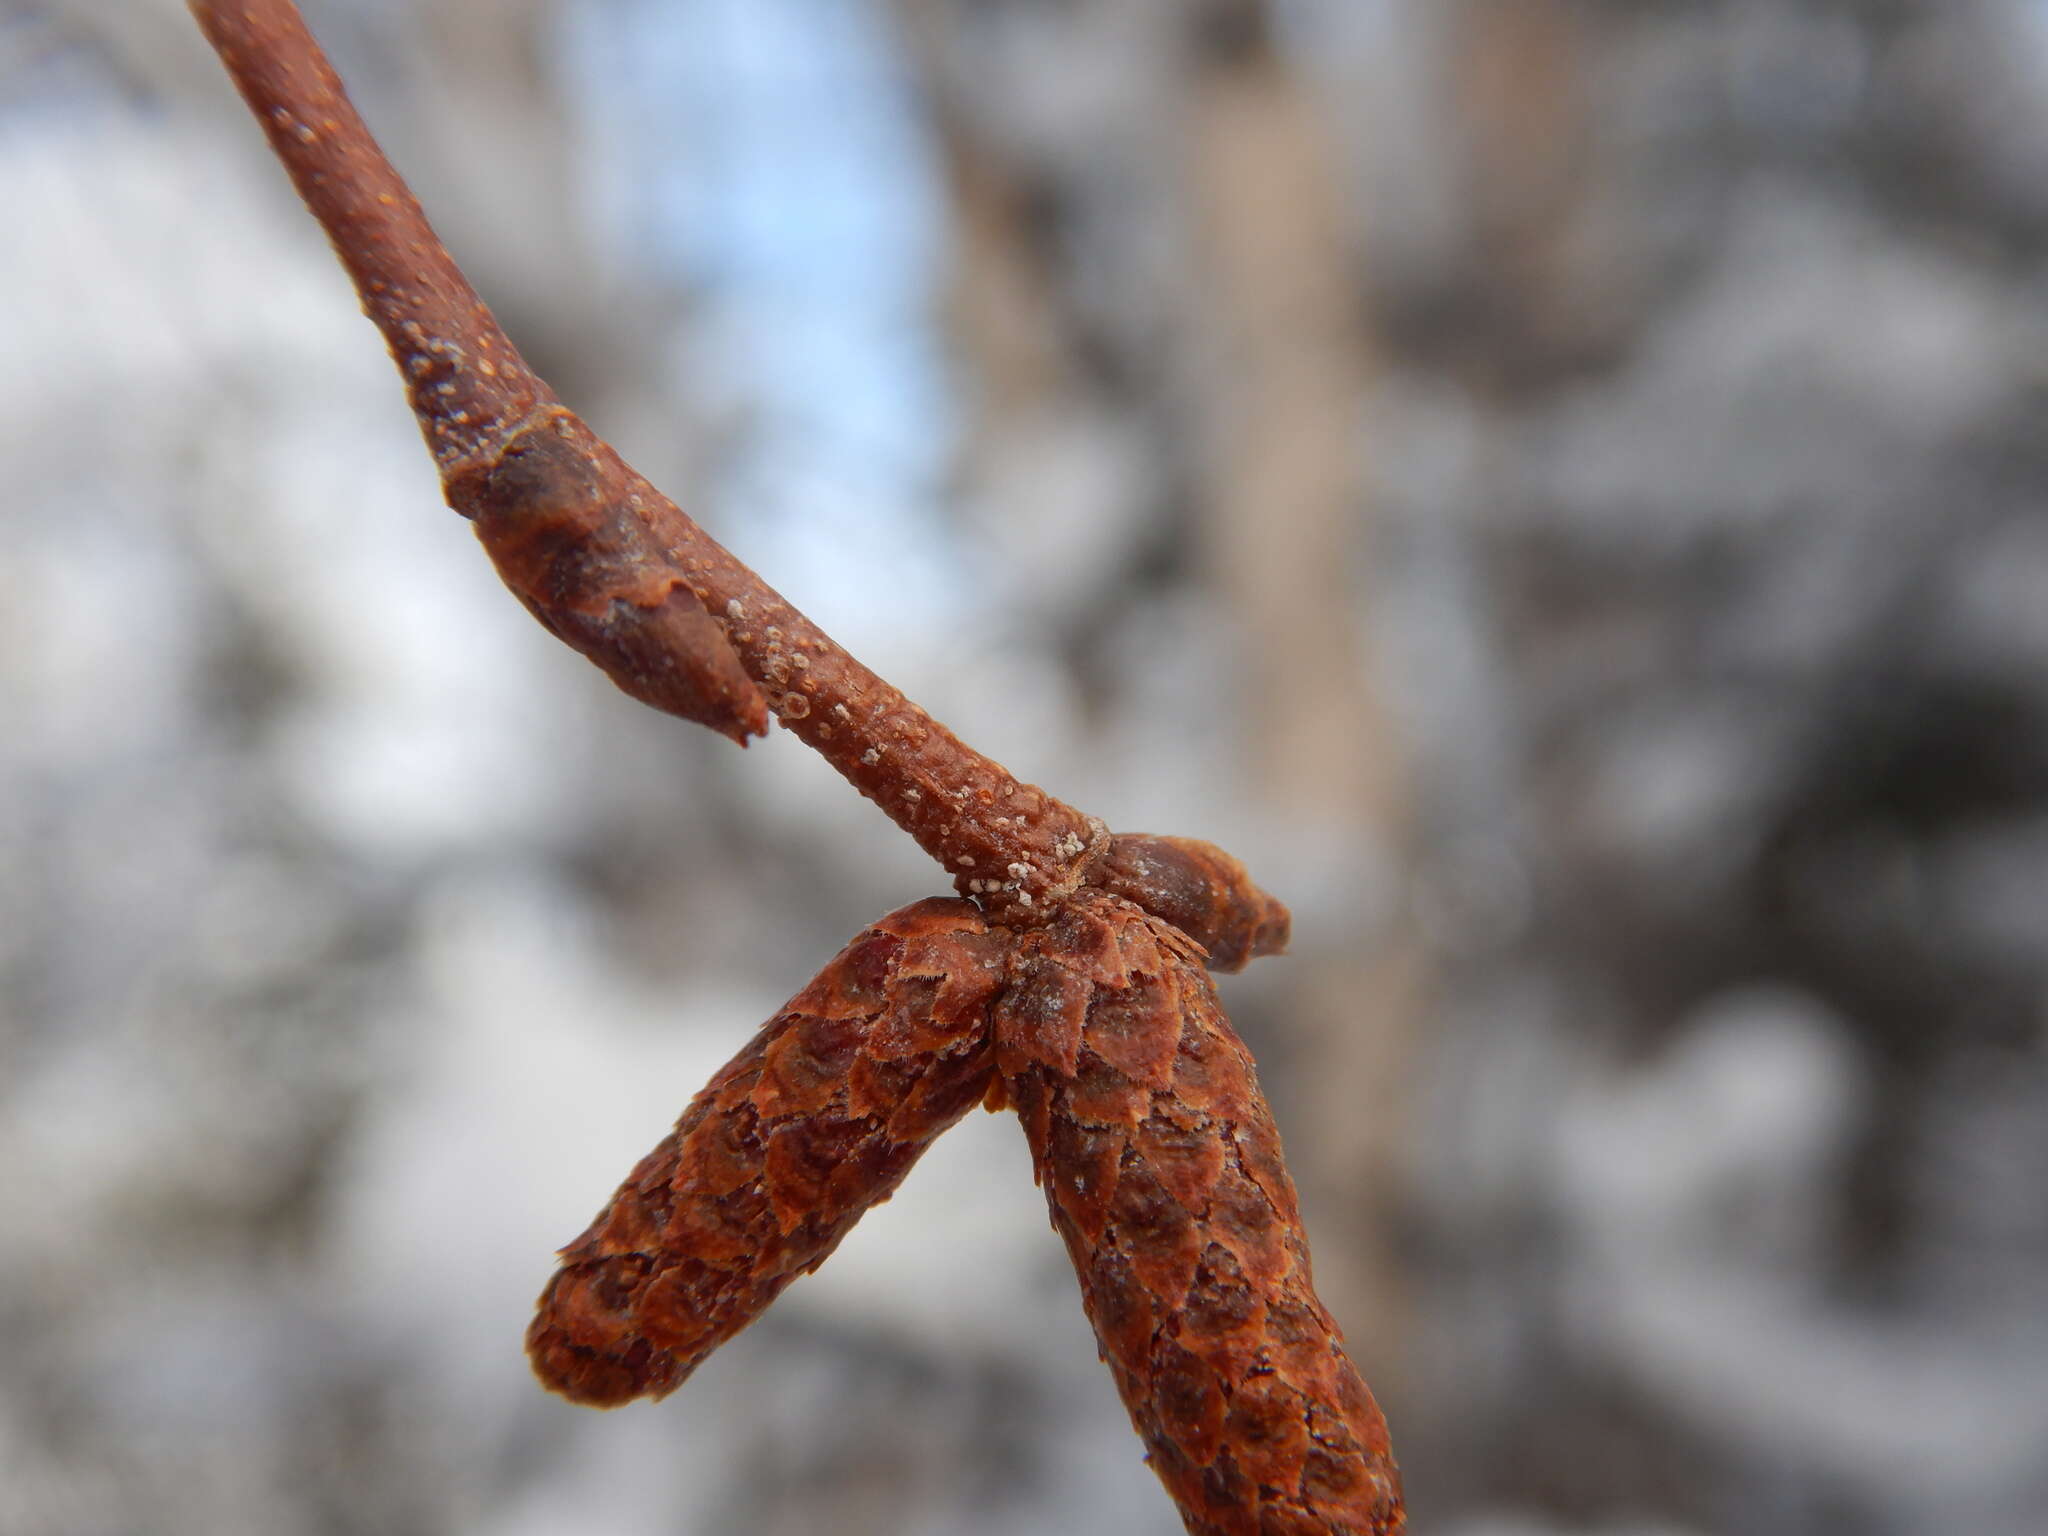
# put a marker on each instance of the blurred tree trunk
(1164, 249)
(1288, 531)
(1516, 77)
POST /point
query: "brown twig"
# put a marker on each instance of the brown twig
(600, 556)
(470, 388)
(1070, 983)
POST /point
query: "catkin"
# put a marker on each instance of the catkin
(1162, 1168)
(817, 1119)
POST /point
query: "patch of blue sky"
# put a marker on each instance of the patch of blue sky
(775, 166)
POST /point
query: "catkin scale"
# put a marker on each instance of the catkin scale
(1162, 1169)
(817, 1119)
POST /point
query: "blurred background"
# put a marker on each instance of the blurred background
(1557, 486)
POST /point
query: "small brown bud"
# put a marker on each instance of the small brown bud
(1201, 890)
(554, 510)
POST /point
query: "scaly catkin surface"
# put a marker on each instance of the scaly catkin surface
(818, 1118)
(1162, 1168)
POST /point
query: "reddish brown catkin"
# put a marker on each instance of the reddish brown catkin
(1162, 1168)
(819, 1118)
